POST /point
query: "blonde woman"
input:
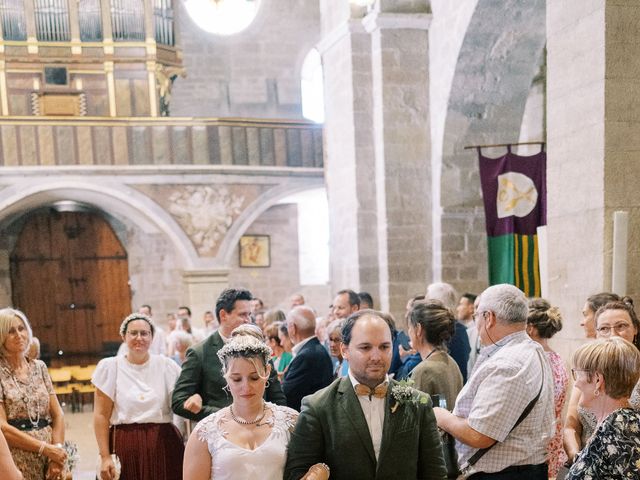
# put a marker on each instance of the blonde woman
(30, 415)
(606, 372)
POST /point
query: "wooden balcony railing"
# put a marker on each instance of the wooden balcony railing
(38, 141)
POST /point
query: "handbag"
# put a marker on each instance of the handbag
(450, 454)
(114, 457)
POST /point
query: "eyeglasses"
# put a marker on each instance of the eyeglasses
(574, 372)
(139, 333)
(605, 330)
(475, 315)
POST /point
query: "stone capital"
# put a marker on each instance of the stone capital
(351, 26)
(396, 21)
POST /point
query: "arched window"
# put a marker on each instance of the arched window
(222, 17)
(312, 87)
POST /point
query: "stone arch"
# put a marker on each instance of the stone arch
(500, 55)
(122, 203)
(257, 208)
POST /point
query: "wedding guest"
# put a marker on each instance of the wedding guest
(606, 372)
(200, 390)
(591, 306)
(285, 339)
(182, 342)
(274, 316)
(431, 326)
(616, 318)
(132, 414)
(511, 377)
(334, 333)
(30, 415)
(281, 358)
(248, 438)
(543, 322)
(311, 368)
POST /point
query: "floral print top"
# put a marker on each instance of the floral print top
(557, 456)
(614, 450)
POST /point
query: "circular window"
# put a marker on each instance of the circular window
(222, 17)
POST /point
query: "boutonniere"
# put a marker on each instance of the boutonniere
(403, 392)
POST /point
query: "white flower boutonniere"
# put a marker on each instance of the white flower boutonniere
(404, 392)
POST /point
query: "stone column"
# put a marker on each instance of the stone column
(349, 159)
(202, 288)
(593, 141)
(400, 61)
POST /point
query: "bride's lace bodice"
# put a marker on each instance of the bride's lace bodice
(231, 462)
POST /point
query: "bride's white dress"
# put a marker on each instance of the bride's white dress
(231, 462)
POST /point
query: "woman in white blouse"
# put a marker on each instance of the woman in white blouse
(132, 415)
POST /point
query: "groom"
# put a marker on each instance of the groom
(357, 426)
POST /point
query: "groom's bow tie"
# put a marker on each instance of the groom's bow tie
(379, 392)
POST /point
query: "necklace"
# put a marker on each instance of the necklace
(245, 422)
(29, 401)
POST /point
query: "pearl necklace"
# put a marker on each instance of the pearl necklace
(245, 422)
(29, 401)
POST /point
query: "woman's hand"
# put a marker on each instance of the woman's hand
(319, 471)
(54, 453)
(107, 468)
(54, 471)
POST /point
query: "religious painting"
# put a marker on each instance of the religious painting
(255, 251)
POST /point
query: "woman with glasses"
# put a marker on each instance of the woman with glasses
(606, 373)
(132, 414)
(614, 319)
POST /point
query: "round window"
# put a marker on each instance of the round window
(222, 17)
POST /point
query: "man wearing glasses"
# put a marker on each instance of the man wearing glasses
(510, 373)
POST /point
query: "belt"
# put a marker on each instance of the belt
(25, 424)
(542, 467)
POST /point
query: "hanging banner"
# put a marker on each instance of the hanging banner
(515, 205)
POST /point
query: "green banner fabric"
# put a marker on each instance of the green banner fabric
(501, 259)
(514, 259)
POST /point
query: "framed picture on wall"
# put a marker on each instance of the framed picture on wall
(255, 251)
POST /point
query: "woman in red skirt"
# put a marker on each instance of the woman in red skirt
(132, 415)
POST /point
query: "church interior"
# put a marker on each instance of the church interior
(158, 151)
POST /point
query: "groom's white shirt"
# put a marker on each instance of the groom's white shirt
(373, 409)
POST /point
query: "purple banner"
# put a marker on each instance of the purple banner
(515, 193)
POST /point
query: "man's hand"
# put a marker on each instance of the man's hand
(193, 403)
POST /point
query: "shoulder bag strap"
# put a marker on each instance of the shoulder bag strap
(480, 453)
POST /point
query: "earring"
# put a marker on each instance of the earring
(266, 385)
(596, 392)
(226, 388)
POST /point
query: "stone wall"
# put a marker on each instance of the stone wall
(255, 73)
(275, 284)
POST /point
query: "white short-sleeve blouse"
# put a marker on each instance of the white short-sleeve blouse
(140, 393)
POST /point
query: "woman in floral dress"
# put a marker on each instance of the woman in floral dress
(30, 416)
(606, 371)
(543, 322)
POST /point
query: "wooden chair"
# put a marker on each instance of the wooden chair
(61, 378)
(82, 386)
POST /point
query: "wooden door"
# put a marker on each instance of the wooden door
(70, 275)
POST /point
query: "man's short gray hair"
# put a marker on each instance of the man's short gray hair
(304, 318)
(507, 302)
(444, 293)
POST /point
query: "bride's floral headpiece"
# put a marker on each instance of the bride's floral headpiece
(244, 346)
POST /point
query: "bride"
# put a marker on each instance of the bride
(249, 438)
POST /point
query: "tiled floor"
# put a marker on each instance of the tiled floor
(79, 429)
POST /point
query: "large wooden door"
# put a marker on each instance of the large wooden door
(70, 275)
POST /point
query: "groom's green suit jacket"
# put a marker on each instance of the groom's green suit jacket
(332, 429)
